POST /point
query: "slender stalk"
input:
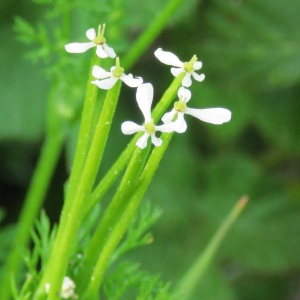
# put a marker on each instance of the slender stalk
(148, 36)
(122, 225)
(196, 272)
(72, 218)
(131, 176)
(32, 204)
(112, 214)
(84, 138)
(85, 132)
(113, 173)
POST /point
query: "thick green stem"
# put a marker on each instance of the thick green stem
(32, 204)
(72, 215)
(148, 36)
(194, 275)
(121, 227)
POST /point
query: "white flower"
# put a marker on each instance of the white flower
(189, 68)
(98, 41)
(108, 79)
(144, 97)
(67, 290)
(209, 115)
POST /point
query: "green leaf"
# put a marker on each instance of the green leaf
(138, 284)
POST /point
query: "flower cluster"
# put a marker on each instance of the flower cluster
(174, 121)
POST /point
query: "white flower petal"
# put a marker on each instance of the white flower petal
(169, 116)
(100, 52)
(168, 58)
(198, 77)
(100, 73)
(131, 81)
(155, 141)
(184, 94)
(144, 96)
(165, 127)
(105, 84)
(177, 71)
(79, 47)
(197, 65)
(187, 81)
(129, 127)
(110, 51)
(180, 125)
(142, 141)
(210, 115)
(91, 34)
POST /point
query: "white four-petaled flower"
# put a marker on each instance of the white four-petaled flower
(209, 115)
(179, 67)
(96, 40)
(108, 79)
(144, 97)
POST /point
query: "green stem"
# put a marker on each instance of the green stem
(84, 140)
(72, 218)
(112, 214)
(111, 176)
(32, 204)
(122, 225)
(113, 173)
(196, 272)
(148, 36)
(116, 207)
(85, 132)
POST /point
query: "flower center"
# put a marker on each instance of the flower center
(118, 71)
(179, 106)
(189, 66)
(100, 39)
(149, 127)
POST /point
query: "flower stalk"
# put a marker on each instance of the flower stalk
(85, 133)
(107, 181)
(131, 208)
(72, 215)
(112, 214)
(125, 189)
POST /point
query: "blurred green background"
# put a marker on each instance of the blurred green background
(251, 58)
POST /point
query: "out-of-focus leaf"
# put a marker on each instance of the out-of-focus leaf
(149, 10)
(267, 234)
(237, 101)
(214, 287)
(6, 235)
(254, 42)
(23, 93)
(278, 119)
